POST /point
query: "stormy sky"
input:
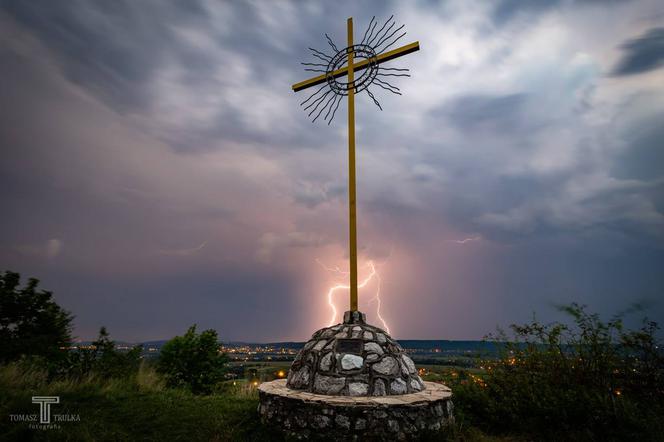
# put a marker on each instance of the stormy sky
(157, 170)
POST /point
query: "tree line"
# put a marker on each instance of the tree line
(35, 330)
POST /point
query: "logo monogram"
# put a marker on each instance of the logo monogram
(45, 407)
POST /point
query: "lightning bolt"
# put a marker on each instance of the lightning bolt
(330, 293)
(377, 298)
(465, 240)
(183, 252)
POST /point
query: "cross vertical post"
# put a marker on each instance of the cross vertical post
(371, 52)
(351, 172)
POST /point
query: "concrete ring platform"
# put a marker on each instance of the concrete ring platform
(301, 414)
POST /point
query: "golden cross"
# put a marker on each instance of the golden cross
(350, 70)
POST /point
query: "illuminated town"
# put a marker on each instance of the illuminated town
(459, 353)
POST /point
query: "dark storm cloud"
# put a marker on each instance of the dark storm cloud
(107, 47)
(115, 50)
(642, 54)
(486, 122)
(505, 10)
(472, 112)
(645, 156)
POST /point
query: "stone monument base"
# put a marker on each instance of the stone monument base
(301, 414)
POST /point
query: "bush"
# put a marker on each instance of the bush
(31, 323)
(593, 380)
(193, 361)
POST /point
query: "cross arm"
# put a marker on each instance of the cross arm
(382, 58)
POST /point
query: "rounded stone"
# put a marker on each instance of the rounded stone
(319, 345)
(415, 385)
(328, 384)
(358, 389)
(320, 421)
(328, 333)
(386, 366)
(372, 347)
(409, 364)
(398, 386)
(342, 421)
(379, 388)
(351, 362)
(326, 362)
(300, 378)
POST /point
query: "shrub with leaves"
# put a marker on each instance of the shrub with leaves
(591, 379)
(193, 361)
(31, 322)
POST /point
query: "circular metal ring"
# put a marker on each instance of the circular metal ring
(340, 59)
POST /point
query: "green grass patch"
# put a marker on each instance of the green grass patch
(140, 409)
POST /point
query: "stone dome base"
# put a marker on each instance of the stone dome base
(304, 415)
(354, 359)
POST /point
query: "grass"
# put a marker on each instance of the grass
(129, 410)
